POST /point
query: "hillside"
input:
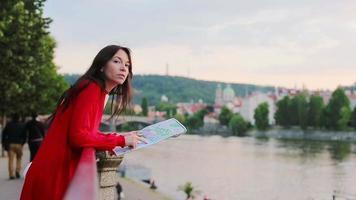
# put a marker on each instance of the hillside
(179, 89)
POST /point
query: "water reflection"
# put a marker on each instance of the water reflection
(339, 151)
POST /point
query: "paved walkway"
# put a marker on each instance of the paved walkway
(139, 191)
(11, 189)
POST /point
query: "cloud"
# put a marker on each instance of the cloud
(232, 40)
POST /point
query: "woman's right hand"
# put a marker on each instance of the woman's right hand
(133, 138)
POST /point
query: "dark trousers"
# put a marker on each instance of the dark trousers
(34, 146)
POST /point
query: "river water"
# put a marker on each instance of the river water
(250, 168)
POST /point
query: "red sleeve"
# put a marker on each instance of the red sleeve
(81, 131)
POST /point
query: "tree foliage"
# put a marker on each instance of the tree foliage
(169, 108)
(315, 111)
(261, 116)
(353, 118)
(282, 114)
(238, 125)
(144, 106)
(335, 116)
(29, 81)
(225, 116)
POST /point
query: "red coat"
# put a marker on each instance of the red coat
(57, 159)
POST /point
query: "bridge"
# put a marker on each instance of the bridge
(117, 122)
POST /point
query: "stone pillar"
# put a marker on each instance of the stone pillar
(108, 176)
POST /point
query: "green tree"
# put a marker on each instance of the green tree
(315, 111)
(353, 118)
(201, 113)
(345, 116)
(194, 122)
(180, 118)
(282, 114)
(225, 116)
(302, 111)
(261, 116)
(293, 109)
(144, 106)
(197, 119)
(29, 81)
(169, 108)
(238, 125)
(298, 111)
(333, 110)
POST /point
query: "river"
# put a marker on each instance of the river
(250, 168)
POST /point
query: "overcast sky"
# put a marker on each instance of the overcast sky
(275, 42)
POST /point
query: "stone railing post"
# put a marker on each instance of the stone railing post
(108, 176)
(107, 171)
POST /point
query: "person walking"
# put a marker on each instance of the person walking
(13, 138)
(35, 133)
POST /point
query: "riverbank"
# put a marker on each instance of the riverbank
(321, 135)
(139, 191)
(281, 133)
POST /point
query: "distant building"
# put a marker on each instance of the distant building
(190, 108)
(244, 105)
(164, 98)
(153, 114)
(251, 102)
(137, 108)
(352, 98)
(219, 95)
(226, 98)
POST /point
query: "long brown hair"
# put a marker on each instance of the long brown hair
(121, 94)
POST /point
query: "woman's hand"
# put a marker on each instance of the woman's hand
(133, 138)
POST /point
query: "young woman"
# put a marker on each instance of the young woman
(75, 123)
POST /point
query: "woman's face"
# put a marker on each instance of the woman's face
(117, 68)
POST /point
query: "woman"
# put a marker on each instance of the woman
(75, 123)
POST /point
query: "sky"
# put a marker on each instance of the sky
(300, 43)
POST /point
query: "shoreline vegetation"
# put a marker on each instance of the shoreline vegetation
(283, 133)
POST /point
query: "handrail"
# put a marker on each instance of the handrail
(84, 185)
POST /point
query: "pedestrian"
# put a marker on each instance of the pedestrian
(120, 192)
(13, 139)
(35, 133)
(74, 125)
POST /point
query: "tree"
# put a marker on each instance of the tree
(353, 118)
(302, 113)
(238, 125)
(29, 81)
(333, 109)
(194, 122)
(293, 109)
(225, 116)
(144, 106)
(169, 108)
(345, 115)
(282, 114)
(197, 119)
(315, 111)
(201, 113)
(261, 116)
(180, 118)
